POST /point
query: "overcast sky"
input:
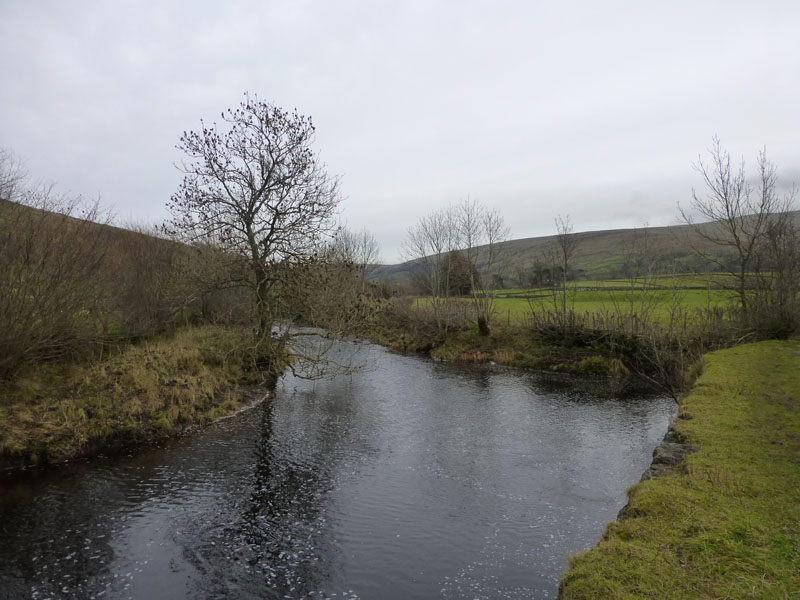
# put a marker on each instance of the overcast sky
(591, 109)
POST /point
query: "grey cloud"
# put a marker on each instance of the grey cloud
(591, 109)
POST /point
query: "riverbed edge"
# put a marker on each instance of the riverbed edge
(141, 396)
(126, 443)
(681, 532)
(507, 346)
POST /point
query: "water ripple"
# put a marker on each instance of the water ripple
(411, 480)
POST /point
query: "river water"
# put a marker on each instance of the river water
(410, 479)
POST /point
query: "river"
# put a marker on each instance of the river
(409, 479)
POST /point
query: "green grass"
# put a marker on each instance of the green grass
(61, 411)
(681, 281)
(659, 295)
(659, 302)
(515, 305)
(727, 524)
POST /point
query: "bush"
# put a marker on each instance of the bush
(51, 305)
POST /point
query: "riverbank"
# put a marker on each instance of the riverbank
(135, 395)
(725, 523)
(509, 345)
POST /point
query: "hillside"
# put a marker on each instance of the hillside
(600, 254)
(72, 286)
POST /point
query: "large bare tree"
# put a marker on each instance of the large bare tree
(254, 184)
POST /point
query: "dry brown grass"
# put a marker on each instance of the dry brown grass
(58, 411)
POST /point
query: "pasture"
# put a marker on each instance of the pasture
(655, 297)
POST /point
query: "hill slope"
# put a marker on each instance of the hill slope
(599, 255)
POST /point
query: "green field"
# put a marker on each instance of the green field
(660, 303)
(658, 297)
(686, 281)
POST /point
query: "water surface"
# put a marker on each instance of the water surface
(412, 479)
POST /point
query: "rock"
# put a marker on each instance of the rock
(668, 454)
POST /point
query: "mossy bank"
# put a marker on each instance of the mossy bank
(137, 394)
(725, 523)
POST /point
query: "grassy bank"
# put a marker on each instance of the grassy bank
(726, 524)
(516, 347)
(511, 345)
(60, 411)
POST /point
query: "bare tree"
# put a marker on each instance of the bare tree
(555, 267)
(775, 303)
(456, 250)
(640, 268)
(359, 249)
(256, 186)
(51, 253)
(738, 212)
(560, 254)
(430, 243)
(481, 231)
(12, 176)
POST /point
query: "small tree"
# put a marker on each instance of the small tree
(775, 307)
(255, 186)
(51, 255)
(566, 246)
(481, 231)
(635, 308)
(739, 213)
(456, 250)
(559, 255)
(430, 243)
(12, 175)
(361, 250)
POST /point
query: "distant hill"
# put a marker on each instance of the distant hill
(112, 233)
(599, 255)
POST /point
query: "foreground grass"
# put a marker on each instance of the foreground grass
(142, 392)
(727, 525)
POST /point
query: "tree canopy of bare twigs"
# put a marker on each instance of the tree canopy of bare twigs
(746, 216)
(457, 249)
(559, 255)
(359, 249)
(254, 185)
(11, 176)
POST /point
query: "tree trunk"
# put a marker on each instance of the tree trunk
(483, 326)
(742, 291)
(269, 352)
